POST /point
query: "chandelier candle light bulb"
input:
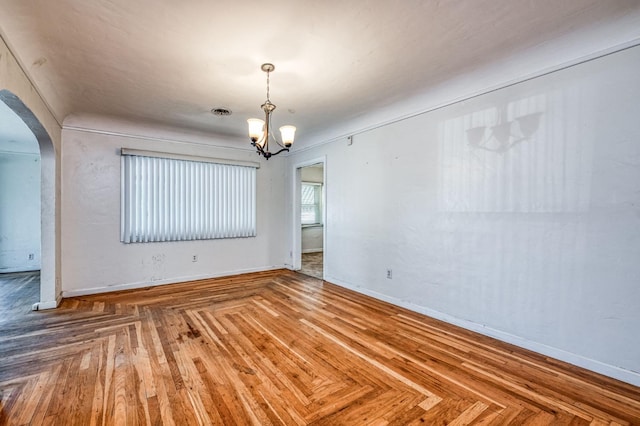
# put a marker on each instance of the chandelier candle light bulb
(256, 129)
(288, 133)
(259, 130)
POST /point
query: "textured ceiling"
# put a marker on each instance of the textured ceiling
(170, 62)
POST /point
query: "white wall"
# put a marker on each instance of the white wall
(537, 245)
(94, 259)
(19, 212)
(312, 241)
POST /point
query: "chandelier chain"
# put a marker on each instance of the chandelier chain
(268, 87)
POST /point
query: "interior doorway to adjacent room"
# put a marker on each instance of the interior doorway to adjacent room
(27, 207)
(311, 214)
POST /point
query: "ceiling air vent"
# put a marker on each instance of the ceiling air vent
(221, 112)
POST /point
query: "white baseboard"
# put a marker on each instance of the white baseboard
(315, 250)
(51, 304)
(618, 373)
(143, 284)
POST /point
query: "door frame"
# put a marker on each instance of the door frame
(296, 243)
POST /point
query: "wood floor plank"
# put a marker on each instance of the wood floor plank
(277, 348)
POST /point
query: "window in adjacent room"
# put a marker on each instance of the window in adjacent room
(166, 197)
(311, 203)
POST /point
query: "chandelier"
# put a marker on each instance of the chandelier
(260, 130)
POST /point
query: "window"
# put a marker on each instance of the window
(185, 198)
(311, 203)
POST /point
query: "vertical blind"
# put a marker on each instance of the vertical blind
(168, 199)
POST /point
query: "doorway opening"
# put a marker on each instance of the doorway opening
(27, 188)
(310, 215)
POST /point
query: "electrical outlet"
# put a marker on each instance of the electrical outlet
(389, 274)
(194, 258)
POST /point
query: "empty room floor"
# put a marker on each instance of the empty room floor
(312, 264)
(279, 348)
(18, 292)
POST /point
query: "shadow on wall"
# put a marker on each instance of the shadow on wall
(515, 158)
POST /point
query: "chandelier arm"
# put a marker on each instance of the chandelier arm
(279, 143)
(283, 149)
(259, 148)
(273, 136)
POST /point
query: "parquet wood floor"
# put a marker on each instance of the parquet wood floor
(18, 292)
(279, 348)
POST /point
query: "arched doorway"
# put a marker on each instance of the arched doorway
(48, 297)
